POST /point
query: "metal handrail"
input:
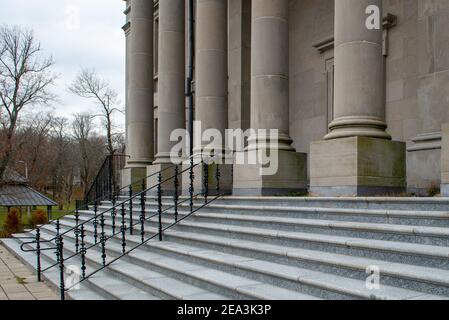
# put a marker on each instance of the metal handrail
(118, 206)
(114, 207)
(99, 200)
(145, 241)
(122, 210)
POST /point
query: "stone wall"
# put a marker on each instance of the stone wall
(417, 79)
(310, 22)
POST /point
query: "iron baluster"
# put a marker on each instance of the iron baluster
(83, 252)
(111, 176)
(217, 177)
(113, 212)
(191, 188)
(123, 229)
(103, 240)
(131, 223)
(205, 180)
(95, 222)
(60, 260)
(77, 231)
(38, 254)
(58, 228)
(142, 213)
(159, 204)
(96, 190)
(176, 192)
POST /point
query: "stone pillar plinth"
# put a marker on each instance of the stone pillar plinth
(445, 161)
(357, 166)
(224, 178)
(211, 108)
(167, 171)
(140, 112)
(171, 95)
(270, 105)
(358, 156)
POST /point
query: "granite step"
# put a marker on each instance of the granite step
(384, 203)
(392, 251)
(364, 203)
(221, 284)
(422, 280)
(150, 284)
(268, 248)
(84, 292)
(438, 236)
(402, 252)
(383, 216)
(106, 286)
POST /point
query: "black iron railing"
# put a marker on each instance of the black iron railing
(106, 183)
(117, 213)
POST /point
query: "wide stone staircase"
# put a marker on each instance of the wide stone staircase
(266, 248)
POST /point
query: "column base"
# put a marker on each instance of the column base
(168, 173)
(198, 182)
(134, 176)
(357, 166)
(444, 189)
(290, 178)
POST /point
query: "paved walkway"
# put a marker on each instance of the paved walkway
(18, 283)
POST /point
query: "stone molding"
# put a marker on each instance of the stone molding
(426, 141)
(389, 21)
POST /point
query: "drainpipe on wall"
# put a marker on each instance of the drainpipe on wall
(189, 80)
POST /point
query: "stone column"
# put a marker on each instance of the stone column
(359, 73)
(140, 112)
(211, 66)
(211, 84)
(270, 68)
(270, 105)
(125, 173)
(239, 62)
(358, 157)
(171, 93)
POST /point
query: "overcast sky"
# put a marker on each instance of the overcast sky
(76, 33)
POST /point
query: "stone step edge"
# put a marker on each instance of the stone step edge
(376, 212)
(438, 232)
(186, 274)
(386, 261)
(413, 279)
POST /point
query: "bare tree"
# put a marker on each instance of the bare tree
(35, 138)
(25, 80)
(88, 84)
(82, 130)
(63, 165)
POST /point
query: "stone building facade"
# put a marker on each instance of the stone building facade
(360, 111)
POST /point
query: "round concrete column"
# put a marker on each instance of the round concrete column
(359, 73)
(270, 71)
(140, 113)
(127, 30)
(171, 74)
(211, 67)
